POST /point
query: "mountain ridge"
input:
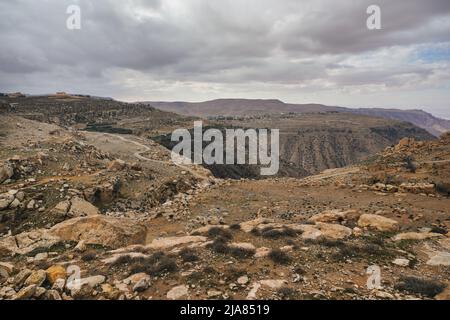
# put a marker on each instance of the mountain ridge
(252, 107)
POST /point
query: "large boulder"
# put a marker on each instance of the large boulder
(377, 222)
(335, 216)
(26, 242)
(171, 242)
(98, 229)
(76, 207)
(178, 292)
(334, 231)
(325, 230)
(56, 272)
(80, 208)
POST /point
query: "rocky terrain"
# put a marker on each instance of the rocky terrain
(91, 113)
(311, 143)
(106, 215)
(254, 108)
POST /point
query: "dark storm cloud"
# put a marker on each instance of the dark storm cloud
(126, 44)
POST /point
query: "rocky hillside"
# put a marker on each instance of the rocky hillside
(420, 118)
(95, 114)
(311, 143)
(252, 108)
(137, 227)
(238, 107)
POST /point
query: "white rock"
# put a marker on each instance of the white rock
(242, 280)
(401, 262)
(178, 292)
(170, 242)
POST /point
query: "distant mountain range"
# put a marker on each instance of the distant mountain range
(252, 107)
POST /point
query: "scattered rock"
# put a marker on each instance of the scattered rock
(170, 242)
(92, 282)
(15, 204)
(81, 208)
(262, 252)
(116, 165)
(248, 226)
(41, 256)
(377, 222)
(243, 245)
(444, 295)
(335, 216)
(26, 242)
(401, 262)
(37, 277)
(416, 236)
(39, 292)
(81, 246)
(212, 293)
(6, 267)
(31, 204)
(52, 295)
(178, 292)
(326, 230)
(99, 229)
(205, 229)
(56, 272)
(20, 278)
(273, 284)
(5, 202)
(141, 285)
(439, 258)
(6, 172)
(334, 231)
(62, 207)
(25, 293)
(243, 280)
(384, 295)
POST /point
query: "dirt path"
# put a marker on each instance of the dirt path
(331, 173)
(139, 156)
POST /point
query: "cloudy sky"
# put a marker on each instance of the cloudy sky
(298, 51)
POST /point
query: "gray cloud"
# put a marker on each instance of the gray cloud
(159, 49)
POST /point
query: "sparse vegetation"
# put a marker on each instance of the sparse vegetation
(274, 233)
(219, 246)
(241, 253)
(89, 256)
(279, 257)
(217, 232)
(409, 164)
(157, 264)
(365, 250)
(440, 230)
(235, 226)
(188, 255)
(443, 188)
(53, 175)
(424, 287)
(331, 243)
(287, 293)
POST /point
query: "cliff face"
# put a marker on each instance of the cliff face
(314, 142)
(315, 150)
(422, 119)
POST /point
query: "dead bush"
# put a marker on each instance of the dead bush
(424, 287)
(279, 257)
(188, 255)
